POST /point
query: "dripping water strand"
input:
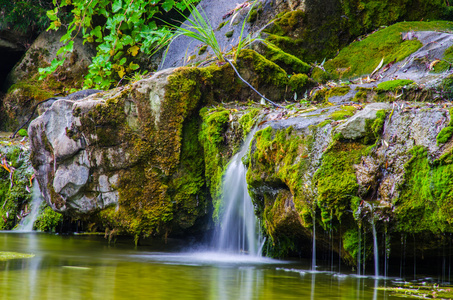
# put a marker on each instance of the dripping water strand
(375, 248)
(313, 255)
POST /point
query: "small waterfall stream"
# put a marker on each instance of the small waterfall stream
(239, 231)
(376, 250)
(313, 255)
(26, 224)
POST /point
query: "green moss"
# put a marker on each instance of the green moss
(299, 83)
(336, 180)
(211, 137)
(351, 242)
(319, 75)
(288, 62)
(164, 190)
(22, 132)
(446, 62)
(346, 111)
(362, 94)
(14, 196)
(279, 160)
(326, 93)
(424, 202)
(393, 85)
(248, 120)
(48, 220)
(446, 87)
(445, 134)
(267, 71)
(387, 43)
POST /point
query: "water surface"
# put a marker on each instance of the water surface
(81, 267)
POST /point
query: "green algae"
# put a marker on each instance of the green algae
(4, 256)
(417, 291)
(387, 44)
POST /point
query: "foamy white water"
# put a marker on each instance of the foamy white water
(26, 224)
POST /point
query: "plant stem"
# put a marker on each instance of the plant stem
(243, 80)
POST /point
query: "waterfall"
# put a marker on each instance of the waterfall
(26, 224)
(375, 247)
(359, 254)
(313, 255)
(239, 232)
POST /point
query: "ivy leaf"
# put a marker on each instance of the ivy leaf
(168, 4)
(133, 50)
(116, 6)
(97, 33)
(127, 40)
(133, 66)
(121, 72)
(52, 14)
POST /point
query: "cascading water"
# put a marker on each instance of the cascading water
(239, 231)
(313, 255)
(375, 247)
(26, 224)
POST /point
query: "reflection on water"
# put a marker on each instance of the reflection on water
(87, 268)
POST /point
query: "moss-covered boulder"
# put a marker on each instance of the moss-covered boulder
(23, 87)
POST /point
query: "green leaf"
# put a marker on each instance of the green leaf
(52, 14)
(133, 66)
(117, 5)
(168, 4)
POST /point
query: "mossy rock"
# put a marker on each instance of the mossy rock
(264, 75)
(387, 44)
(336, 180)
(320, 31)
(325, 94)
(320, 75)
(424, 202)
(393, 85)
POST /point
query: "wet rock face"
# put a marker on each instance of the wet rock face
(121, 153)
(302, 171)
